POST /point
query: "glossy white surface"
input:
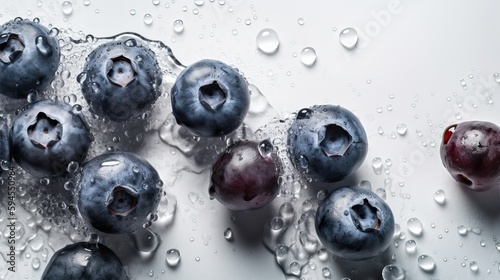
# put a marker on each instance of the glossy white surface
(407, 69)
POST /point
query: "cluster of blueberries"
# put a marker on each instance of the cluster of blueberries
(117, 191)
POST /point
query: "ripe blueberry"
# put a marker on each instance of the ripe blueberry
(210, 98)
(117, 191)
(29, 58)
(48, 135)
(354, 223)
(122, 80)
(327, 142)
(84, 261)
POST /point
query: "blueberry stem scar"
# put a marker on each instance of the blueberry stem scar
(121, 71)
(365, 216)
(11, 47)
(45, 131)
(212, 95)
(122, 201)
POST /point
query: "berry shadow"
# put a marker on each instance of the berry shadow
(248, 226)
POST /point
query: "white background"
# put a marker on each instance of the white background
(417, 51)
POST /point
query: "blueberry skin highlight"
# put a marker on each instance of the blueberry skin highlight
(117, 191)
(29, 58)
(354, 223)
(327, 142)
(210, 98)
(122, 80)
(85, 261)
(48, 135)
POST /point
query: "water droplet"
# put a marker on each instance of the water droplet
(35, 263)
(178, 26)
(380, 130)
(326, 273)
(148, 19)
(228, 234)
(43, 46)
(426, 263)
(86, 2)
(308, 56)
(401, 129)
(110, 163)
(393, 272)
(381, 193)
(415, 226)
(72, 167)
(132, 12)
(295, 268)
(365, 184)
(145, 240)
(497, 77)
(193, 197)
(440, 197)
(482, 243)
(277, 223)
(377, 165)
(411, 247)
(300, 21)
(199, 2)
(156, 2)
(265, 148)
(474, 267)
(173, 257)
(67, 8)
(268, 41)
(349, 38)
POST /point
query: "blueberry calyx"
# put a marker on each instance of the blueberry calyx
(365, 216)
(122, 201)
(334, 140)
(120, 71)
(212, 95)
(45, 132)
(11, 47)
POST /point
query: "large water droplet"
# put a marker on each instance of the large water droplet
(148, 19)
(178, 26)
(67, 8)
(401, 129)
(393, 272)
(440, 197)
(377, 165)
(411, 247)
(43, 46)
(145, 240)
(415, 226)
(308, 56)
(268, 41)
(228, 234)
(349, 38)
(173, 257)
(426, 263)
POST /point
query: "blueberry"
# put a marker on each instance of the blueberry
(85, 261)
(470, 151)
(327, 142)
(4, 143)
(29, 58)
(354, 223)
(210, 98)
(122, 79)
(245, 177)
(117, 191)
(48, 135)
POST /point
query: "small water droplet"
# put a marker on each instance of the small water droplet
(173, 257)
(268, 41)
(326, 272)
(380, 130)
(86, 2)
(474, 267)
(308, 56)
(440, 197)
(381, 193)
(426, 263)
(67, 8)
(193, 197)
(411, 247)
(415, 226)
(199, 2)
(148, 19)
(35, 263)
(132, 12)
(393, 272)
(228, 234)
(482, 243)
(349, 38)
(377, 165)
(401, 129)
(277, 223)
(300, 21)
(43, 45)
(497, 77)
